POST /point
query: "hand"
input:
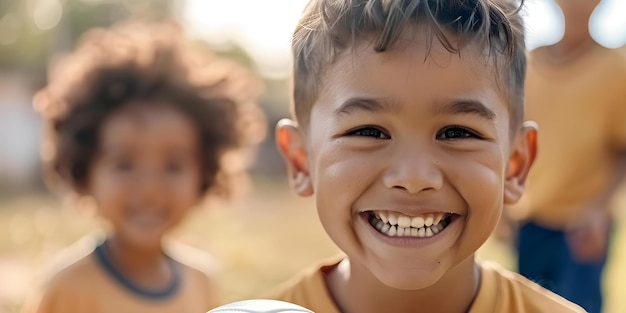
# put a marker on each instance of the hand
(588, 238)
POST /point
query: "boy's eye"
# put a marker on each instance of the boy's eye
(123, 166)
(455, 132)
(369, 131)
(173, 167)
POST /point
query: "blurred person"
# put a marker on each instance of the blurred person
(408, 129)
(140, 122)
(576, 92)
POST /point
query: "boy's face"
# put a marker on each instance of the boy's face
(410, 161)
(146, 174)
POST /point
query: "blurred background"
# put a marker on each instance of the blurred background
(35, 225)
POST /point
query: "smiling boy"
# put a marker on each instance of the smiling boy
(409, 133)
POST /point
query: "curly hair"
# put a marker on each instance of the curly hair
(153, 63)
(328, 27)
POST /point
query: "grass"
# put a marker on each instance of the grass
(259, 241)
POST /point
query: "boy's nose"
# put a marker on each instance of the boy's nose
(149, 188)
(413, 171)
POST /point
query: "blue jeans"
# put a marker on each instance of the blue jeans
(544, 257)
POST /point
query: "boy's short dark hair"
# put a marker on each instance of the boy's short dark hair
(328, 27)
(150, 63)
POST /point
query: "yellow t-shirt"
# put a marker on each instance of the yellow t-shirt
(500, 291)
(88, 285)
(581, 112)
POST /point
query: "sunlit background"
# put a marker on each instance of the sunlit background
(263, 28)
(35, 225)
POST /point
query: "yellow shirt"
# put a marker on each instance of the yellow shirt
(87, 286)
(581, 112)
(500, 291)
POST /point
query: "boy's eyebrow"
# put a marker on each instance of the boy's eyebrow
(116, 151)
(367, 104)
(182, 152)
(462, 106)
(466, 106)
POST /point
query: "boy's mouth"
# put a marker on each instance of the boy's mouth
(146, 218)
(421, 226)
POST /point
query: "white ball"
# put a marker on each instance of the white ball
(260, 306)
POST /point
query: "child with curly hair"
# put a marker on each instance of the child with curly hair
(140, 122)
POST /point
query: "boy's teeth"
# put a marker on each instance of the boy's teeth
(404, 221)
(435, 229)
(382, 217)
(392, 231)
(393, 219)
(438, 218)
(395, 225)
(429, 232)
(379, 225)
(429, 220)
(385, 228)
(400, 232)
(417, 222)
(407, 221)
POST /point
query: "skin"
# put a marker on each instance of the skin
(145, 178)
(392, 133)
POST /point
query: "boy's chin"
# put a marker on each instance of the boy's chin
(144, 240)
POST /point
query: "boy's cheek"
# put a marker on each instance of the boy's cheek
(189, 192)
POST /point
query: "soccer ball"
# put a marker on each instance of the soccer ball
(260, 306)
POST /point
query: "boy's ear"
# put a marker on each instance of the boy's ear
(292, 146)
(520, 161)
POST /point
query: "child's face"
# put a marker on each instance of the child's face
(396, 144)
(146, 174)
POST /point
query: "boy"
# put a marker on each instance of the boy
(408, 131)
(139, 121)
(576, 94)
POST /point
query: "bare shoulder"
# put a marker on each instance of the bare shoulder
(200, 269)
(522, 295)
(194, 260)
(62, 279)
(72, 264)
